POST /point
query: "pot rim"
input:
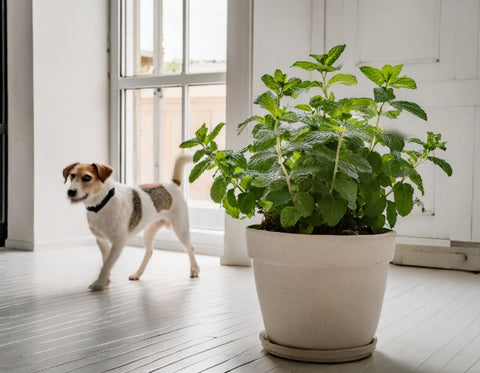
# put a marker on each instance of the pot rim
(392, 232)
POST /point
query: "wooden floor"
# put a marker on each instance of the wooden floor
(167, 322)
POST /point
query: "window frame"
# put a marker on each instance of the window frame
(238, 81)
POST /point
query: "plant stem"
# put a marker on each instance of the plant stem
(379, 115)
(280, 162)
(337, 158)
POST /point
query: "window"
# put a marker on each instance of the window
(168, 77)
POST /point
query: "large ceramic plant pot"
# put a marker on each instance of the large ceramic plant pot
(320, 296)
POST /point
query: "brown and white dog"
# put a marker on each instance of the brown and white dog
(116, 212)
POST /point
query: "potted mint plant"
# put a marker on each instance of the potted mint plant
(329, 182)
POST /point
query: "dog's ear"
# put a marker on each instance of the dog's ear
(66, 170)
(103, 171)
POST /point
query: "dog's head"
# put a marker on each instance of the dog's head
(85, 179)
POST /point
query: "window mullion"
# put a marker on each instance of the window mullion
(157, 95)
(186, 36)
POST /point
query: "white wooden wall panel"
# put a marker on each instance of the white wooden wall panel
(398, 22)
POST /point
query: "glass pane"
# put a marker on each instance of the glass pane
(171, 38)
(170, 130)
(139, 38)
(207, 105)
(140, 136)
(208, 35)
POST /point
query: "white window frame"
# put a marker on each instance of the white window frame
(238, 106)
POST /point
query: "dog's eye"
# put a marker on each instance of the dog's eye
(86, 178)
(72, 176)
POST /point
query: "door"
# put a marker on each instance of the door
(3, 124)
(437, 41)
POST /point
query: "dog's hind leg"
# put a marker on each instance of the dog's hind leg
(148, 237)
(182, 231)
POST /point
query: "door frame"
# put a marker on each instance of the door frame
(3, 123)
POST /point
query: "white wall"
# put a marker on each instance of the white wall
(68, 54)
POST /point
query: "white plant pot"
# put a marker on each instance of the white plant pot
(320, 296)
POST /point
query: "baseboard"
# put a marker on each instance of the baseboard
(205, 242)
(443, 254)
(56, 244)
(19, 245)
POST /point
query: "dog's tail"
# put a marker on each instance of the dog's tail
(178, 169)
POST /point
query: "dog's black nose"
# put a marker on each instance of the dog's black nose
(71, 193)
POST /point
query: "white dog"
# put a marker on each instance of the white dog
(116, 212)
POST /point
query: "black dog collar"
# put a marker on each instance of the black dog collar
(102, 204)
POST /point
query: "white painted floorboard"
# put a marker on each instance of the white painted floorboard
(167, 322)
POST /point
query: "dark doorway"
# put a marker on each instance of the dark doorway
(3, 122)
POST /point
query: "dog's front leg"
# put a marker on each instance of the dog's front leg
(103, 278)
(104, 247)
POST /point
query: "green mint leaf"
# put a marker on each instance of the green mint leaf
(403, 82)
(218, 189)
(242, 125)
(333, 209)
(267, 101)
(392, 114)
(391, 214)
(271, 83)
(391, 72)
(403, 197)
(303, 107)
(345, 79)
(232, 200)
(289, 216)
(393, 141)
(417, 180)
(375, 203)
(263, 160)
(198, 155)
(347, 188)
(201, 133)
(212, 135)
(233, 211)
(246, 203)
(198, 169)
(305, 204)
(309, 66)
(382, 94)
(189, 143)
(375, 75)
(444, 165)
(411, 107)
(333, 54)
(279, 197)
(280, 77)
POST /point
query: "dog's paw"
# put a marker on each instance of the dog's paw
(194, 272)
(99, 285)
(134, 277)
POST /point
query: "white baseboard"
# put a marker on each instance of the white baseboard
(205, 242)
(434, 253)
(56, 244)
(19, 245)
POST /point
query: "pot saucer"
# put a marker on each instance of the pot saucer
(318, 356)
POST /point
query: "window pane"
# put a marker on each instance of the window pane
(170, 129)
(143, 106)
(139, 37)
(171, 39)
(206, 105)
(208, 35)
(140, 136)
